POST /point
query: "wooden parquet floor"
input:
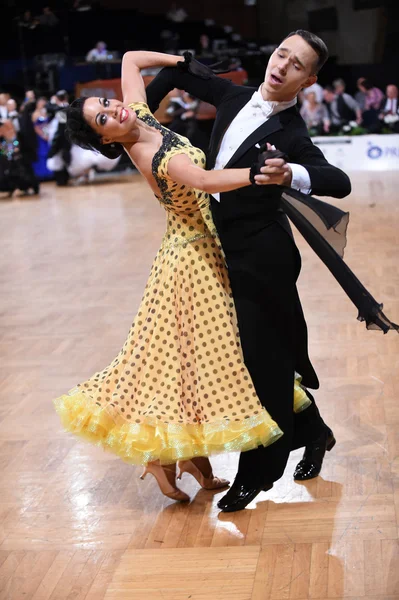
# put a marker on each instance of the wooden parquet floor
(77, 523)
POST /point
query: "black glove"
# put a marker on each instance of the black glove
(190, 65)
(264, 154)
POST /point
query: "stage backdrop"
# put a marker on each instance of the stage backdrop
(361, 152)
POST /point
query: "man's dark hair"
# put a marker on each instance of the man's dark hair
(79, 132)
(316, 43)
(329, 88)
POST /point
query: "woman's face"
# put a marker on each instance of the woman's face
(113, 121)
(311, 97)
(41, 103)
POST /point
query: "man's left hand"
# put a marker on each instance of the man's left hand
(275, 172)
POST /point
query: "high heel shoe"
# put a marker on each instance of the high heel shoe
(200, 468)
(166, 476)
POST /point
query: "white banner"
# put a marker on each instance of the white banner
(361, 152)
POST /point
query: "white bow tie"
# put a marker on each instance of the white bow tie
(266, 107)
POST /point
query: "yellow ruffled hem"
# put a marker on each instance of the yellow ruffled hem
(154, 440)
(301, 400)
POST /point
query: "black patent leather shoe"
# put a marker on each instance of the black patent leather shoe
(240, 495)
(312, 460)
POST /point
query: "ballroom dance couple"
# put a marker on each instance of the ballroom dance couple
(216, 359)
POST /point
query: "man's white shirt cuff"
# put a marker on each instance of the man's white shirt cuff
(300, 179)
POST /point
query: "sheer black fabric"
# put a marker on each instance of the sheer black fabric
(324, 228)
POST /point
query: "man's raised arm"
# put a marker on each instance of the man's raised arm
(193, 77)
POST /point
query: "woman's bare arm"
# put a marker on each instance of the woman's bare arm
(133, 89)
(182, 170)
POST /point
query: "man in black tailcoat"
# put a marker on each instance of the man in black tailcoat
(262, 258)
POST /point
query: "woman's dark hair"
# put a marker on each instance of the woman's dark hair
(79, 132)
(314, 42)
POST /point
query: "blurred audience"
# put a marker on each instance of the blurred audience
(4, 97)
(16, 172)
(82, 5)
(347, 107)
(182, 108)
(30, 96)
(98, 54)
(48, 18)
(360, 95)
(204, 46)
(389, 114)
(339, 112)
(315, 115)
(314, 89)
(391, 106)
(372, 106)
(12, 113)
(374, 96)
(176, 14)
(27, 21)
(40, 120)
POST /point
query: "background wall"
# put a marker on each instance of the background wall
(226, 12)
(355, 42)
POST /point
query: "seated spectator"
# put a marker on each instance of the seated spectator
(176, 14)
(390, 112)
(30, 96)
(347, 106)
(27, 21)
(372, 107)
(4, 97)
(360, 95)
(48, 18)
(16, 171)
(12, 113)
(338, 109)
(391, 106)
(374, 96)
(315, 115)
(316, 89)
(182, 108)
(40, 120)
(204, 47)
(99, 53)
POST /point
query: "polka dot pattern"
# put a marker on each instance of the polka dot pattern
(182, 364)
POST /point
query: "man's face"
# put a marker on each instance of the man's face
(328, 96)
(392, 91)
(291, 67)
(11, 105)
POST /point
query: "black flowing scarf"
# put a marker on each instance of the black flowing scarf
(324, 228)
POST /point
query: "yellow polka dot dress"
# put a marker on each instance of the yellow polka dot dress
(178, 388)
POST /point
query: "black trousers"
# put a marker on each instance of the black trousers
(263, 276)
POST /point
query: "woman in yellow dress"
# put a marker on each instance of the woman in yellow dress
(178, 391)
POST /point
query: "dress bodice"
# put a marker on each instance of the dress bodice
(189, 215)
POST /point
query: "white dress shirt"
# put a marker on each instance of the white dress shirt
(391, 106)
(256, 112)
